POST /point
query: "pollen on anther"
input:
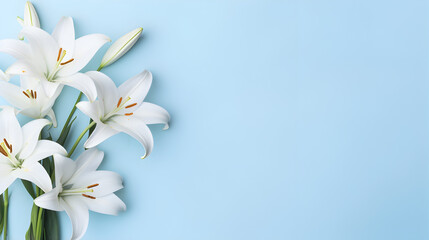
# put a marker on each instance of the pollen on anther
(10, 147)
(88, 196)
(32, 93)
(7, 144)
(69, 61)
(131, 105)
(2, 151)
(23, 71)
(59, 54)
(25, 94)
(93, 185)
(128, 114)
(119, 102)
(35, 94)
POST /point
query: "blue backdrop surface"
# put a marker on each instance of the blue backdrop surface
(298, 119)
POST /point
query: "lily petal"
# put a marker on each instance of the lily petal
(101, 133)
(81, 82)
(51, 115)
(107, 91)
(65, 36)
(108, 182)
(50, 88)
(21, 68)
(85, 48)
(91, 110)
(88, 161)
(31, 132)
(136, 128)
(49, 200)
(137, 87)
(13, 95)
(6, 178)
(10, 129)
(152, 114)
(44, 149)
(64, 169)
(78, 214)
(109, 204)
(16, 48)
(4, 76)
(43, 45)
(35, 173)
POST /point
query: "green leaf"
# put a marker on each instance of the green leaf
(63, 137)
(30, 188)
(47, 165)
(29, 235)
(92, 128)
(51, 225)
(34, 215)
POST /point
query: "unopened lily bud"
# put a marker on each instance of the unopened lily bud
(30, 16)
(120, 47)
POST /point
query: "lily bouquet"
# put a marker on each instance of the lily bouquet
(55, 178)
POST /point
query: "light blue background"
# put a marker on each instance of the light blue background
(296, 119)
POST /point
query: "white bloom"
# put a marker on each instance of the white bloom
(120, 47)
(123, 110)
(30, 98)
(55, 59)
(21, 150)
(30, 16)
(80, 187)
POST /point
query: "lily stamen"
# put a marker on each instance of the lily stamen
(2, 151)
(26, 94)
(69, 61)
(59, 54)
(6, 150)
(30, 94)
(131, 105)
(119, 102)
(88, 196)
(128, 114)
(93, 185)
(7, 144)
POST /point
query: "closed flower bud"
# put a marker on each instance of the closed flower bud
(120, 47)
(30, 16)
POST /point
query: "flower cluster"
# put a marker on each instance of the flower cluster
(45, 63)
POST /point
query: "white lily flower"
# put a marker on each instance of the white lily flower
(21, 150)
(30, 16)
(123, 110)
(30, 98)
(55, 59)
(80, 187)
(120, 47)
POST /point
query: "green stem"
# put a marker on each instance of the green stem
(39, 224)
(6, 203)
(74, 108)
(71, 113)
(79, 138)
